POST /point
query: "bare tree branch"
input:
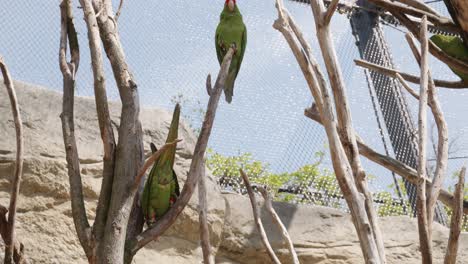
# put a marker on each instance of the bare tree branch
(10, 236)
(129, 150)
(258, 220)
(202, 211)
(433, 49)
(341, 164)
(419, 5)
(424, 234)
(105, 126)
(456, 222)
(442, 141)
(330, 11)
(345, 127)
(277, 220)
(195, 167)
(408, 77)
(389, 163)
(68, 128)
(393, 7)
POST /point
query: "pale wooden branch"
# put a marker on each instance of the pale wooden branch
(202, 213)
(419, 5)
(340, 162)
(286, 25)
(408, 77)
(345, 127)
(433, 49)
(105, 125)
(393, 7)
(80, 219)
(279, 223)
(258, 220)
(10, 236)
(424, 234)
(442, 141)
(456, 221)
(389, 163)
(407, 87)
(195, 167)
(330, 11)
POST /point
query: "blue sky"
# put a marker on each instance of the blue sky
(170, 48)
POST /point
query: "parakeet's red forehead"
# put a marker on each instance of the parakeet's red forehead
(227, 1)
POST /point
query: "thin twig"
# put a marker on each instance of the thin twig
(424, 235)
(119, 10)
(195, 167)
(202, 213)
(258, 220)
(279, 223)
(408, 77)
(457, 220)
(10, 237)
(407, 87)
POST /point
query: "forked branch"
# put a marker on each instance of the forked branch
(279, 223)
(258, 220)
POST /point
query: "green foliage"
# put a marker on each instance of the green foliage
(309, 184)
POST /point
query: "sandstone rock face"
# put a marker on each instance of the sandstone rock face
(45, 226)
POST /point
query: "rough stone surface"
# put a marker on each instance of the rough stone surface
(45, 226)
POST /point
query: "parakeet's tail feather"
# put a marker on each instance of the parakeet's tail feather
(229, 86)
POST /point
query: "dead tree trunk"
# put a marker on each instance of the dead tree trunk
(108, 241)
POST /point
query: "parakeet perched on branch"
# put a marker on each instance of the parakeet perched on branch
(453, 46)
(162, 188)
(231, 30)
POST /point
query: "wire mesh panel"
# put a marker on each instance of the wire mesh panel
(170, 48)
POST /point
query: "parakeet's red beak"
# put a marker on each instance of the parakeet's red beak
(231, 4)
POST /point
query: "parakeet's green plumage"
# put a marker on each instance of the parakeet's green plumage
(162, 188)
(231, 30)
(453, 46)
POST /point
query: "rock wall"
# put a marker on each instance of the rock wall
(320, 235)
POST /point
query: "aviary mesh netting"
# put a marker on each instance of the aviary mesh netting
(170, 47)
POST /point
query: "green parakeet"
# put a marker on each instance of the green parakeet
(453, 46)
(162, 188)
(231, 30)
